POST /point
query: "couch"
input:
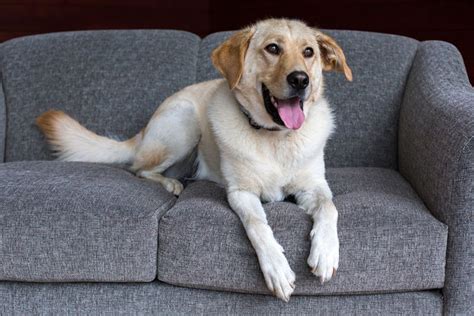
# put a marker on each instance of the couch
(94, 239)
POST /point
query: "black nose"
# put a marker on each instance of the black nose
(298, 80)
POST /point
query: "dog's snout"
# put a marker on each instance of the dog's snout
(299, 80)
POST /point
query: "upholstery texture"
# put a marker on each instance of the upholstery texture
(66, 222)
(160, 299)
(3, 120)
(389, 240)
(437, 157)
(366, 109)
(111, 81)
(78, 222)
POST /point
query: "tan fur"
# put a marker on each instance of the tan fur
(47, 122)
(253, 165)
(148, 158)
(333, 56)
(228, 58)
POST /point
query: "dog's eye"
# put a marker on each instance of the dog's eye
(273, 49)
(308, 52)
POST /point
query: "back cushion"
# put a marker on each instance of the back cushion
(110, 81)
(366, 109)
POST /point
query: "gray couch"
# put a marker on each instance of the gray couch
(94, 239)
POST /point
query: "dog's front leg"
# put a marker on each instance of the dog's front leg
(278, 275)
(324, 255)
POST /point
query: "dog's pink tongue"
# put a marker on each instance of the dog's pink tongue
(290, 112)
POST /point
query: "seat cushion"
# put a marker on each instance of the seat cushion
(156, 298)
(366, 110)
(389, 240)
(64, 221)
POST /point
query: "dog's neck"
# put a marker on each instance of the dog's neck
(254, 124)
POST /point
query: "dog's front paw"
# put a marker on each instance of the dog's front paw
(324, 255)
(279, 277)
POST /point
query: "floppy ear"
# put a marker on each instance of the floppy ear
(332, 56)
(229, 57)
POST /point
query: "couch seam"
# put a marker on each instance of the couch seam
(453, 182)
(5, 128)
(458, 168)
(201, 286)
(197, 59)
(168, 205)
(405, 85)
(165, 206)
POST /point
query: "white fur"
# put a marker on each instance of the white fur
(76, 143)
(278, 275)
(253, 165)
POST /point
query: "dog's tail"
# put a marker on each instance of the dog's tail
(73, 142)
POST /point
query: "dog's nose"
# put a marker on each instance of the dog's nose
(298, 80)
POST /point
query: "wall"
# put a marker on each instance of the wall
(449, 20)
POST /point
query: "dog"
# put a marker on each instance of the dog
(260, 132)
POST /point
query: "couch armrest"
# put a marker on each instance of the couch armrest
(436, 156)
(3, 120)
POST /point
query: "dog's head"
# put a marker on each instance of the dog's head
(275, 69)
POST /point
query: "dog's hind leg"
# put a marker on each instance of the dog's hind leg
(169, 137)
(171, 185)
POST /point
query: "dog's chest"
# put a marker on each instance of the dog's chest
(275, 166)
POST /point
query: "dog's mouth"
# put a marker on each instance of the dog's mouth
(286, 112)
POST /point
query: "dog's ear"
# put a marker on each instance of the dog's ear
(229, 57)
(332, 56)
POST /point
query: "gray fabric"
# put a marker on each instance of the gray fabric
(78, 222)
(111, 81)
(367, 109)
(160, 299)
(437, 157)
(3, 120)
(389, 240)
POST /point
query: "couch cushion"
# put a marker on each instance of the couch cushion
(366, 109)
(64, 221)
(389, 240)
(156, 298)
(111, 81)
